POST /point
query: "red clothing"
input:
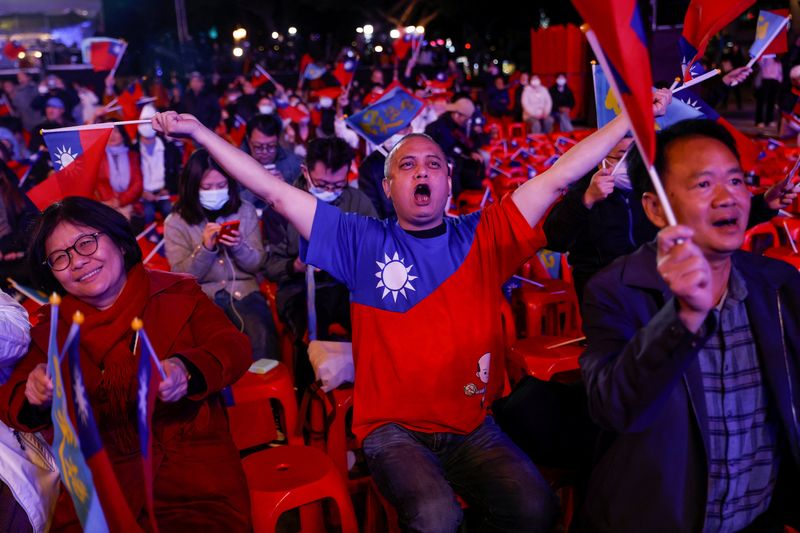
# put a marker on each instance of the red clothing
(104, 192)
(199, 484)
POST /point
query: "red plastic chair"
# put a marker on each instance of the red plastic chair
(548, 310)
(285, 340)
(517, 130)
(251, 413)
(785, 253)
(755, 236)
(544, 356)
(289, 477)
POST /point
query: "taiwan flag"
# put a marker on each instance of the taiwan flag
(76, 157)
(129, 101)
(148, 379)
(115, 507)
(615, 26)
(259, 77)
(103, 53)
(748, 151)
(345, 70)
(703, 20)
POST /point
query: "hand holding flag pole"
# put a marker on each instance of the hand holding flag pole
(137, 325)
(657, 185)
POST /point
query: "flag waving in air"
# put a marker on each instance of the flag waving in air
(103, 53)
(769, 26)
(390, 114)
(619, 32)
(114, 505)
(344, 71)
(76, 155)
(704, 19)
(259, 76)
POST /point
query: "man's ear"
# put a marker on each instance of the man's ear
(387, 187)
(652, 208)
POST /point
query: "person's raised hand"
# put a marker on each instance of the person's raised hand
(39, 387)
(232, 239)
(661, 100)
(736, 76)
(210, 235)
(687, 273)
(782, 194)
(175, 125)
(600, 187)
(176, 384)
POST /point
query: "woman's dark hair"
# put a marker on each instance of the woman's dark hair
(83, 212)
(188, 204)
(640, 179)
(12, 198)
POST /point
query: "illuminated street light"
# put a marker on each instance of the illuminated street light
(292, 30)
(359, 30)
(239, 34)
(368, 29)
(394, 34)
(420, 30)
(37, 54)
(238, 52)
(379, 49)
(21, 55)
(275, 35)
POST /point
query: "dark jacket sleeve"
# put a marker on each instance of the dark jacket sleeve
(568, 218)
(633, 362)
(760, 211)
(370, 178)
(279, 263)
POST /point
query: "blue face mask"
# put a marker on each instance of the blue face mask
(324, 195)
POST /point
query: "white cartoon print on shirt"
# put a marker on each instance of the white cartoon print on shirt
(483, 375)
(394, 276)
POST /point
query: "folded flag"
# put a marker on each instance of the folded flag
(345, 70)
(562, 144)
(391, 113)
(550, 161)
(76, 157)
(769, 26)
(103, 53)
(703, 20)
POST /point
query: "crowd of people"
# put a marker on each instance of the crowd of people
(691, 364)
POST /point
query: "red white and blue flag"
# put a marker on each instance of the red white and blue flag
(103, 53)
(562, 144)
(703, 20)
(345, 70)
(619, 31)
(117, 515)
(260, 76)
(76, 157)
(146, 400)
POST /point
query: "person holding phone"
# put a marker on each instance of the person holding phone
(214, 235)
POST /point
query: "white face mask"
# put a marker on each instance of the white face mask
(536, 82)
(324, 195)
(266, 109)
(621, 179)
(214, 199)
(561, 82)
(146, 130)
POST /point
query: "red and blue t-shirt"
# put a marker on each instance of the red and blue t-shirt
(427, 337)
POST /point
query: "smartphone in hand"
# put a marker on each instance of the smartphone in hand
(227, 228)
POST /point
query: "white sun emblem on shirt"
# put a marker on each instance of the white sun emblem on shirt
(80, 399)
(65, 156)
(394, 276)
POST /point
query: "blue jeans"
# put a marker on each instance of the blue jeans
(150, 208)
(258, 325)
(421, 473)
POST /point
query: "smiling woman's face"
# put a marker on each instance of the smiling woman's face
(97, 278)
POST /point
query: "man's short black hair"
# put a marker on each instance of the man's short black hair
(682, 130)
(332, 152)
(269, 125)
(83, 212)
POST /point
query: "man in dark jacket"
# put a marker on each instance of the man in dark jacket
(201, 103)
(563, 102)
(450, 132)
(325, 176)
(693, 360)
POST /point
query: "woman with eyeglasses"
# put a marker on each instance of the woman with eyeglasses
(87, 252)
(199, 240)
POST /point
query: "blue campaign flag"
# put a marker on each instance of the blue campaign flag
(768, 27)
(314, 72)
(67, 448)
(387, 116)
(605, 101)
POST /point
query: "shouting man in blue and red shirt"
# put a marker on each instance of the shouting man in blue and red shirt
(427, 337)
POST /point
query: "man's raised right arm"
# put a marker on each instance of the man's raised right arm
(297, 206)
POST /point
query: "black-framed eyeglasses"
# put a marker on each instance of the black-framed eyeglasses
(85, 245)
(332, 187)
(270, 147)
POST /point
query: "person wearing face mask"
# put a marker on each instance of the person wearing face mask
(601, 218)
(324, 175)
(563, 102)
(119, 179)
(536, 106)
(160, 162)
(225, 264)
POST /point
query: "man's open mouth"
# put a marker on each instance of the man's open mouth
(726, 222)
(422, 193)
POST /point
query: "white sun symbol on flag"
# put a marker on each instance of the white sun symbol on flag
(394, 276)
(143, 400)
(65, 156)
(80, 399)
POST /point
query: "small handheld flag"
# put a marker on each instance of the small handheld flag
(769, 26)
(391, 113)
(103, 53)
